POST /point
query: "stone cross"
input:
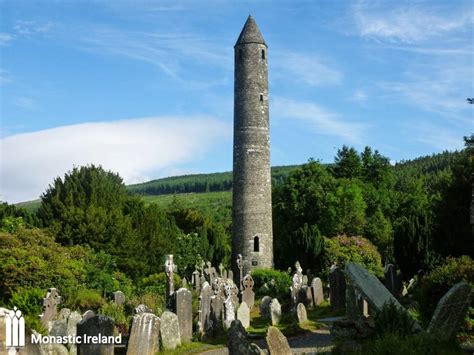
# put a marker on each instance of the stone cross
(221, 270)
(210, 271)
(240, 266)
(50, 304)
(297, 283)
(170, 269)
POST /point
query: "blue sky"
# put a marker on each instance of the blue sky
(145, 88)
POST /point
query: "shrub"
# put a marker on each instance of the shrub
(436, 283)
(392, 320)
(88, 299)
(30, 303)
(278, 282)
(344, 249)
(156, 283)
(116, 311)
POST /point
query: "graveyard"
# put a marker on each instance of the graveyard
(360, 255)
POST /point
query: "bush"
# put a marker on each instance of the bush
(156, 283)
(392, 320)
(436, 283)
(30, 303)
(278, 282)
(116, 311)
(88, 299)
(344, 249)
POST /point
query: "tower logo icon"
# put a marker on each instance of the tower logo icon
(15, 329)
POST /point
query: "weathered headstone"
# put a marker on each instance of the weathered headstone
(301, 313)
(240, 266)
(265, 307)
(305, 280)
(309, 297)
(196, 280)
(119, 297)
(243, 314)
(204, 307)
(94, 326)
(170, 269)
(337, 288)
(229, 307)
(297, 283)
(216, 317)
(275, 311)
(392, 280)
(184, 312)
(277, 342)
(237, 341)
(210, 273)
(318, 292)
(50, 304)
(184, 283)
(88, 314)
(230, 275)
(450, 311)
(352, 312)
(144, 335)
(169, 331)
(73, 319)
(371, 289)
(64, 313)
(141, 308)
(58, 327)
(248, 296)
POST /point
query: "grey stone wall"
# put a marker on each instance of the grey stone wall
(252, 205)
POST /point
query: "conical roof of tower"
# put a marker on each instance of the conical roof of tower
(250, 33)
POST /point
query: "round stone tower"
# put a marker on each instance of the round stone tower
(252, 235)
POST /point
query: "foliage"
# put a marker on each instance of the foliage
(199, 183)
(87, 299)
(436, 283)
(30, 302)
(156, 283)
(11, 224)
(117, 312)
(344, 249)
(391, 320)
(278, 282)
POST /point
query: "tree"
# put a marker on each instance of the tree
(348, 163)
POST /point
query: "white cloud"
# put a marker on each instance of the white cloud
(359, 96)
(26, 28)
(320, 120)
(25, 103)
(408, 23)
(137, 149)
(305, 68)
(5, 38)
(435, 136)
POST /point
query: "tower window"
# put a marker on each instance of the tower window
(261, 97)
(263, 53)
(256, 245)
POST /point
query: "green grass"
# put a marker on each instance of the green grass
(192, 348)
(30, 206)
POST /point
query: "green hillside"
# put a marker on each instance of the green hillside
(200, 182)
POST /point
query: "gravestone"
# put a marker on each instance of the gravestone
(50, 304)
(297, 283)
(73, 319)
(337, 288)
(229, 307)
(196, 280)
(184, 300)
(450, 311)
(88, 314)
(275, 311)
(216, 317)
(170, 269)
(248, 296)
(184, 283)
(393, 280)
(144, 335)
(265, 307)
(58, 327)
(371, 289)
(277, 342)
(318, 292)
(94, 326)
(305, 280)
(230, 275)
(301, 313)
(119, 297)
(309, 297)
(204, 308)
(352, 311)
(210, 272)
(240, 266)
(237, 341)
(141, 308)
(169, 331)
(64, 313)
(243, 314)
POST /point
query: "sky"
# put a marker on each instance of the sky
(145, 88)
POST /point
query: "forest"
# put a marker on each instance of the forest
(92, 235)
